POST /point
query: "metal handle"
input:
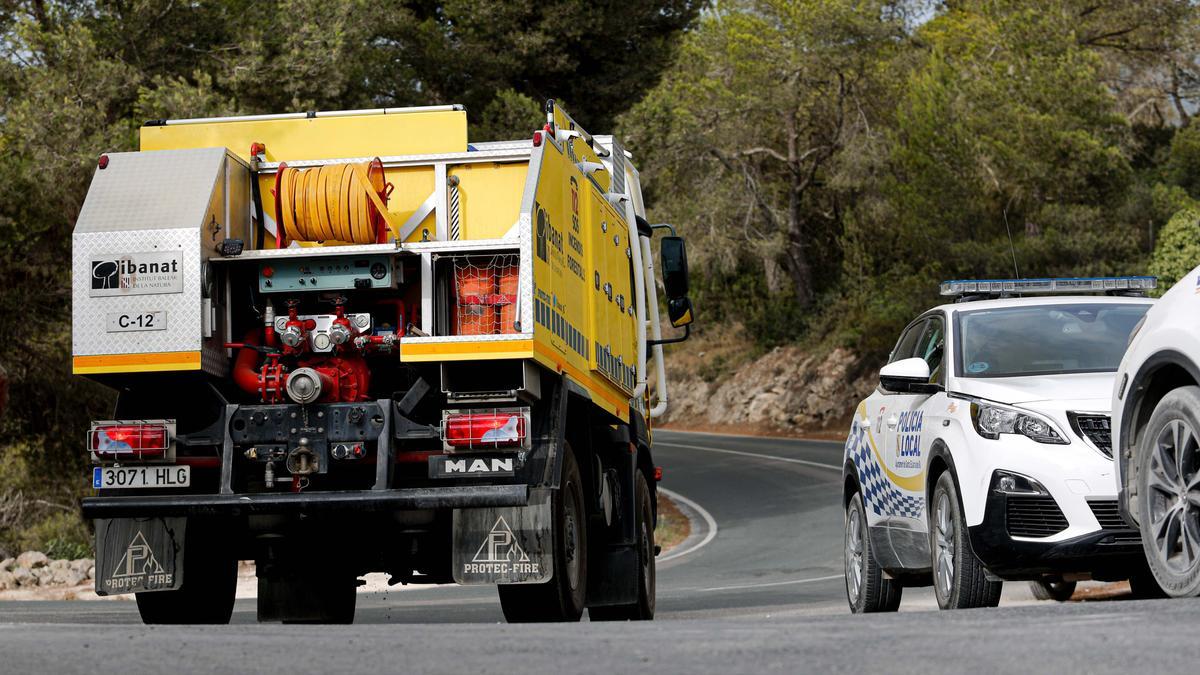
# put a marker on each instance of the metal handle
(893, 421)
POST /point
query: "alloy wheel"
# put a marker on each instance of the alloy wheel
(944, 541)
(854, 553)
(1173, 484)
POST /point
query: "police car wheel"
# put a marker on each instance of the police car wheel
(209, 586)
(959, 580)
(1168, 492)
(866, 588)
(1052, 589)
(562, 598)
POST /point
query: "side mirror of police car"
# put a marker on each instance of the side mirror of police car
(907, 376)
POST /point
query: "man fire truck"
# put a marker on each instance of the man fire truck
(349, 342)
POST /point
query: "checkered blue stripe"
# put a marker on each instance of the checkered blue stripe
(879, 494)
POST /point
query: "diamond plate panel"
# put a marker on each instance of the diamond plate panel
(178, 201)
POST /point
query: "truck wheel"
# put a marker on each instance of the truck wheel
(866, 588)
(959, 581)
(1052, 589)
(209, 587)
(643, 609)
(561, 598)
(313, 595)
(1168, 483)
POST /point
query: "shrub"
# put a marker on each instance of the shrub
(1177, 250)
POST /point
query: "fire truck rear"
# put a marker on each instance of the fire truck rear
(351, 342)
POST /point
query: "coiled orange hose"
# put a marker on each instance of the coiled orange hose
(334, 203)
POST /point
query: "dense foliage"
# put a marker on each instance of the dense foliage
(832, 160)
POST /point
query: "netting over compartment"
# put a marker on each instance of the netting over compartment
(485, 292)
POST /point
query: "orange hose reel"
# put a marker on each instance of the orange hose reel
(345, 202)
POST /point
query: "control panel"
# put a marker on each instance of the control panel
(333, 273)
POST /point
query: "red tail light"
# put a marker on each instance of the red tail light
(492, 429)
(137, 440)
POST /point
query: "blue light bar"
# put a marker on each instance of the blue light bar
(1069, 285)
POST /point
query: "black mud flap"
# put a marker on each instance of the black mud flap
(505, 545)
(134, 555)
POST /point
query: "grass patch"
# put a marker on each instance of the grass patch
(673, 527)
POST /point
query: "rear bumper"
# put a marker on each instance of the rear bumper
(358, 501)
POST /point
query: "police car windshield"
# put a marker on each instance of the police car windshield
(1044, 339)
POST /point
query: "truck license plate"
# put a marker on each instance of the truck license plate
(141, 477)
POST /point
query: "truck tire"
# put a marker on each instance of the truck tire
(643, 609)
(1052, 589)
(867, 590)
(1168, 492)
(562, 597)
(209, 586)
(959, 580)
(314, 595)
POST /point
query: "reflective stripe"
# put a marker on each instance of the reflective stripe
(135, 363)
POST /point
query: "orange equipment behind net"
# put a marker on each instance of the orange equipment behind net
(485, 291)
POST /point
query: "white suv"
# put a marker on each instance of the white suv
(1156, 420)
(984, 454)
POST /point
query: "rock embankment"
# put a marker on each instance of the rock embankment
(33, 569)
(787, 390)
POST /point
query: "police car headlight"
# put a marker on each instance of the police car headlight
(991, 420)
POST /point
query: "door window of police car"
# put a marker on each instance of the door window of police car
(905, 412)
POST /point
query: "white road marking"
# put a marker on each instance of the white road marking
(709, 522)
(772, 583)
(790, 460)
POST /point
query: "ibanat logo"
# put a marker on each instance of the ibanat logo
(110, 273)
(136, 273)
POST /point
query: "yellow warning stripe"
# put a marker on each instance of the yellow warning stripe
(466, 351)
(911, 483)
(135, 363)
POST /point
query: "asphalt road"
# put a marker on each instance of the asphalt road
(757, 587)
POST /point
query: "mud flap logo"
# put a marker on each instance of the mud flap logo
(136, 555)
(138, 567)
(500, 554)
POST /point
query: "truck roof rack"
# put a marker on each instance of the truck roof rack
(966, 290)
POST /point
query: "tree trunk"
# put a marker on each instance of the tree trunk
(800, 271)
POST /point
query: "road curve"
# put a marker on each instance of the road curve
(763, 593)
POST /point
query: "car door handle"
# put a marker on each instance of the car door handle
(893, 421)
(863, 424)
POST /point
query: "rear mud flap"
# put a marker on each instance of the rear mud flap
(505, 545)
(134, 555)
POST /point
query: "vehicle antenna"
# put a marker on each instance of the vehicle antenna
(1011, 248)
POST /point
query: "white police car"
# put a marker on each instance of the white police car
(1156, 417)
(984, 453)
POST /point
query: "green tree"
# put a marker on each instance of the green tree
(1177, 250)
(764, 97)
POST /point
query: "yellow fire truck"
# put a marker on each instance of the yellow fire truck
(350, 342)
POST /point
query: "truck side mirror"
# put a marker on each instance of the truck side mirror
(674, 268)
(675, 280)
